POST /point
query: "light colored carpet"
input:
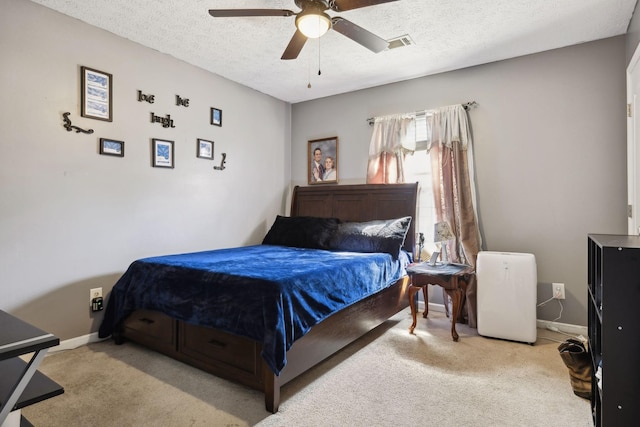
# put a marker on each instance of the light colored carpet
(387, 378)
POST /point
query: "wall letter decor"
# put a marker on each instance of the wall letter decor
(167, 122)
(142, 97)
(182, 101)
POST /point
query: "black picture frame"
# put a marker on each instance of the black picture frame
(205, 149)
(162, 153)
(96, 94)
(216, 116)
(111, 147)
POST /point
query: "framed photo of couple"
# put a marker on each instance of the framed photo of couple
(323, 161)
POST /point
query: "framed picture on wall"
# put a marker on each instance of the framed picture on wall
(216, 117)
(322, 161)
(162, 153)
(95, 93)
(111, 147)
(205, 149)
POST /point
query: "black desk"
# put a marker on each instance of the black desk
(20, 382)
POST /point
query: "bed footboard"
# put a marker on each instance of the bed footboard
(335, 333)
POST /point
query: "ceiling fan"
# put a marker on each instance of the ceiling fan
(313, 22)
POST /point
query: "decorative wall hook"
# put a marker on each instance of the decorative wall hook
(222, 162)
(67, 125)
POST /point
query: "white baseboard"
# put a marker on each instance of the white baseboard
(432, 307)
(72, 343)
(562, 327)
(76, 342)
(542, 324)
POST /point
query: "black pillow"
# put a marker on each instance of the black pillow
(372, 236)
(301, 232)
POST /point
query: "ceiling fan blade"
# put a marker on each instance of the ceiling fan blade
(295, 46)
(342, 5)
(359, 35)
(231, 13)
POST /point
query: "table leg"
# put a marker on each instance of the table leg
(445, 299)
(456, 298)
(425, 292)
(412, 303)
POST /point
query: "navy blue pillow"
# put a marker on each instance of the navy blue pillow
(371, 236)
(301, 232)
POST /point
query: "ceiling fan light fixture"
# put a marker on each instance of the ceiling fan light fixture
(313, 24)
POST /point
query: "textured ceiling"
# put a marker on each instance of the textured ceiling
(448, 35)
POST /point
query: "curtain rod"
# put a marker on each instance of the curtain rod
(467, 106)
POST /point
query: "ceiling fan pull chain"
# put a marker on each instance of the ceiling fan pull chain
(309, 72)
(319, 72)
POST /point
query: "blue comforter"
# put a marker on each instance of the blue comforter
(272, 294)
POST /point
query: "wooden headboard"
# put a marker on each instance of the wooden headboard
(364, 202)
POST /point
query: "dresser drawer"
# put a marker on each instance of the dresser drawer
(151, 328)
(220, 349)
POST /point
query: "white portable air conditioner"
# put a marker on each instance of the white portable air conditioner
(507, 295)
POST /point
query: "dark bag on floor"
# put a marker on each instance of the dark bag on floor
(578, 360)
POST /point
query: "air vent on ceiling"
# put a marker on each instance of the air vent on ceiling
(400, 42)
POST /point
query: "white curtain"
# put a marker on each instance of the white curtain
(386, 152)
(448, 125)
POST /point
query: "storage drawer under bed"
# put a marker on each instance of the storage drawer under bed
(218, 348)
(153, 329)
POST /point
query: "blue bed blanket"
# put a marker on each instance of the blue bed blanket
(272, 294)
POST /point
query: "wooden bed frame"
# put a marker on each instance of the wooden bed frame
(237, 358)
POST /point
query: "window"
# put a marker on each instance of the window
(417, 168)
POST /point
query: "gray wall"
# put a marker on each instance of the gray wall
(549, 141)
(550, 145)
(633, 34)
(71, 219)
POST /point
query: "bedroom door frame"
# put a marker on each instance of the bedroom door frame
(633, 150)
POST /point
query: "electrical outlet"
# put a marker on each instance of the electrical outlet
(94, 293)
(558, 290)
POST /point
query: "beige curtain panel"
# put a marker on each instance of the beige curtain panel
(454, 192)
